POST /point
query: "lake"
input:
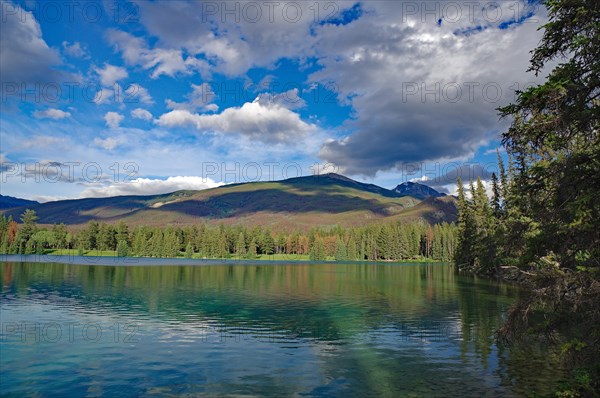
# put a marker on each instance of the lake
(304, 330)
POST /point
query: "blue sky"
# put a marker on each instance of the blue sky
(108, 97)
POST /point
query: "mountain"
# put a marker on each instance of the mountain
(9, 202)
(295, 203)
(418, 191)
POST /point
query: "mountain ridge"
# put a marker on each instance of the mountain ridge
(416, 190)
(10, 202)
(300, 202)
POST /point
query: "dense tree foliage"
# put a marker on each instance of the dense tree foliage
(386, 242)
(542, 223)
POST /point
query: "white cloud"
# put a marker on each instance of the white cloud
(161, 61)
(201, 97)
(47, 198)
(113, 119)
(75, 50)
(111, 74)
(136, 92)
(51, 113)
(494, 150)
(26, 57)
(142, 114)
(289, 99)
(267, 122)
(44, 141)
(420, 179)
(235, 45)
(148, 186)
(418, 89)
(104, 96)
(109, 143)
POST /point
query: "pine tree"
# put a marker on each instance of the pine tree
(496, 196)
(352, 251)
(464, 257)
(268, 243)
(189, 250)
(4, 246)
(122, 232)
(105, 239)
(240, 246)
(503, 176)
(252, 249)
(122, 248)
(341, 251)
(89, 235)
(28, 228)
(318, 251)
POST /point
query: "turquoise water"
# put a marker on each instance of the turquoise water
(329, 330)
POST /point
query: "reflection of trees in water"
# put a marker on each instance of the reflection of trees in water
(241, 293)
(484, 306)
(423, 311)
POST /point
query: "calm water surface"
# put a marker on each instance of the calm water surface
(329, 330)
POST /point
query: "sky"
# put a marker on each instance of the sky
(103, 98)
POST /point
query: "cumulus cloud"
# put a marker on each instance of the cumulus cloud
(265, 122)
(105, 95)
(111, 74)
(467, 171)
(26, 57)
(161, 61)
(135, 92)
(113, 119)
(420, 91)
(201, 97)
(51, 113)
(387, 76)
(108, 143)
(259, 36)
(75, 50)
(142, 114)
(149, 186)
(288, 99)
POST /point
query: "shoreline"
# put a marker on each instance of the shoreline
(178, 261)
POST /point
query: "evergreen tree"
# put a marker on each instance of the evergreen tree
(171, 244)
(352, 251)
(122, 232)
(464, 256)
(89, 235)
(341, 251)
(268, 243)
(252, 249)
(28, 228)
(60, 236)
(240, 247)
(552, 206)
(106, 238)
(496, 197)
(318, 251)
(503, 176)
(189, 250)
(122, 248)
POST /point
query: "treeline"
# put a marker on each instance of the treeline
(523, 226)
(482, 225)
(393, 241)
